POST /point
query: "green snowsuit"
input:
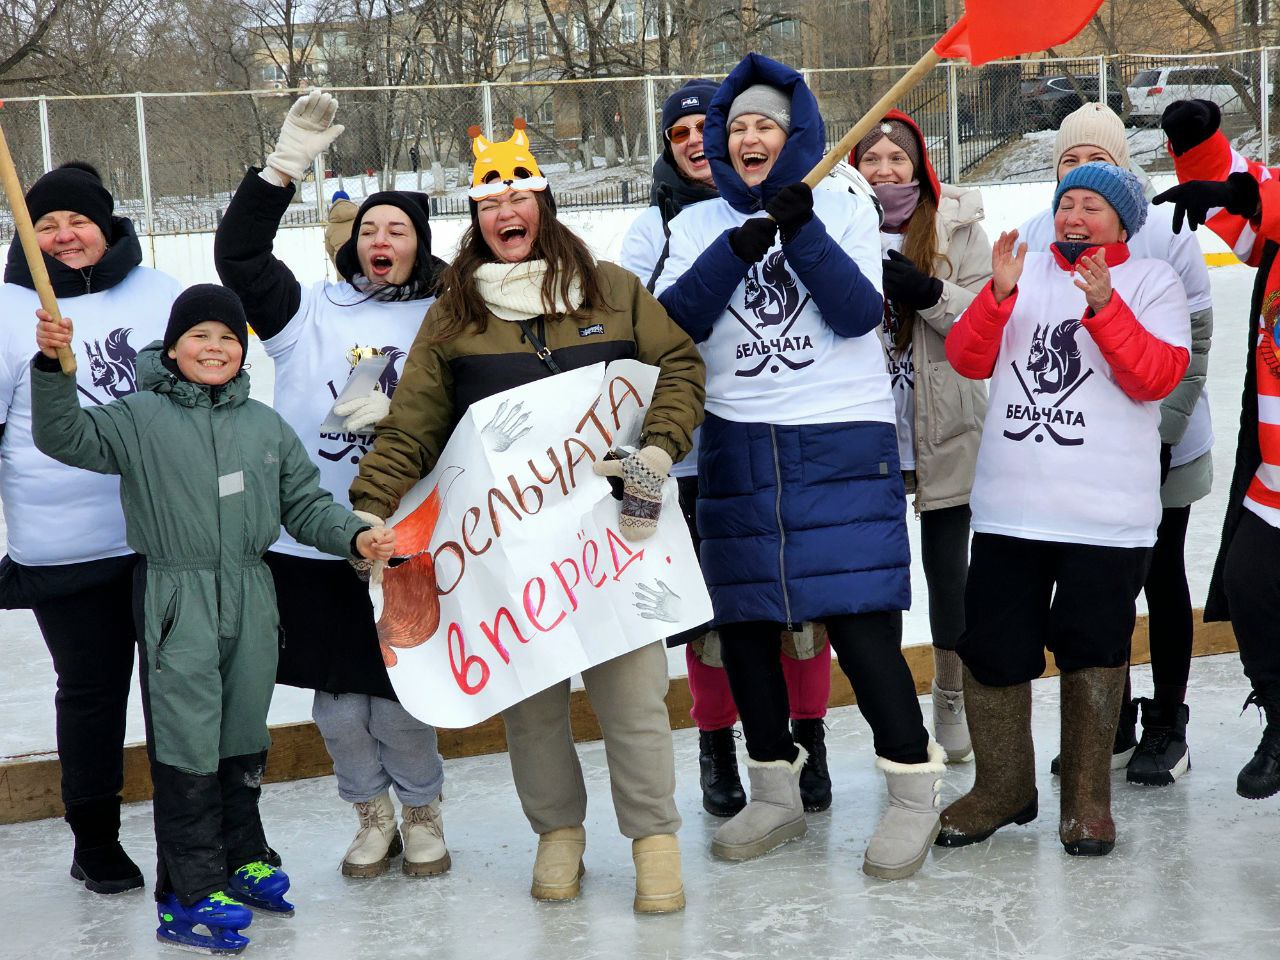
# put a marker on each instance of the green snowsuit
(207, 478)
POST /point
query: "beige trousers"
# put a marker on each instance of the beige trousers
(627, 696)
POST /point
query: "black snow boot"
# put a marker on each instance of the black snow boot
(1125, 744)
(722, 793)
(99, 860)
(1260, 777)
(815, 779)
(1162, 755)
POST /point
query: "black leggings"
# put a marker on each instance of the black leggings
(1252, 582)
(90, 636)
(869, 648)
(944, 551)
(1169, 606)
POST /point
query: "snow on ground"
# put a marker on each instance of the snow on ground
(26, 693)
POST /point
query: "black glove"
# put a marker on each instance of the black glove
(792, 207)
(1166, 458)
(752, 240)
(907, 285)
(1189, 123)
(1194, 199)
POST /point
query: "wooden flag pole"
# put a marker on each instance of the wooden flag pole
(882, 106)
(27, 236)
(893, 96)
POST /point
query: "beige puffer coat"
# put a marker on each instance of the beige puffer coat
(949, 408)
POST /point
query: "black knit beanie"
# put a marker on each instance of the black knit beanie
(206, 301)
(76, 187)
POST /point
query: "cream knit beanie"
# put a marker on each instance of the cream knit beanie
(1094, 124)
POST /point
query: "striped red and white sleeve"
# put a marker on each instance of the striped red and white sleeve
(1216, 159)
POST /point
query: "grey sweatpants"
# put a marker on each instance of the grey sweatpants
(627, 696)
(376, 744)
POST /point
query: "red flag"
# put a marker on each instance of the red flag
(991, 29)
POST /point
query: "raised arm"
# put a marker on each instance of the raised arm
(243, 245)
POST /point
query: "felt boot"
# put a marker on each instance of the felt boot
(774, 815)
(910, 825)
(376, 842)
(558, 869)
(659, 887)
(422, 828)
(1004, 783)
(1091, 700)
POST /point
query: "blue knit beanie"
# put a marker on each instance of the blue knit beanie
(694, 97)
(1117, 186)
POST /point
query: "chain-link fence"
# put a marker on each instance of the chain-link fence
(172, 160)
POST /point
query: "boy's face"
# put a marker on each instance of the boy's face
(208, 353)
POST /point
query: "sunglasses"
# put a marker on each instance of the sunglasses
(681, 134)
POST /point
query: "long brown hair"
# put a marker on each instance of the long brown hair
(920, 246)
(463, 310)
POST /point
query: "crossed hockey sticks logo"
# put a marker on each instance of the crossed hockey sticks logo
(1057, 437)
(755, 371)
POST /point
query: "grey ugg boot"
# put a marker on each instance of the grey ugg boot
(910, 825)
(774, 815)
(950, 725)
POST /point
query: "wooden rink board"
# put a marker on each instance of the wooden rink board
(29, 784)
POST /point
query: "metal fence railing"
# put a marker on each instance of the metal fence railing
(171, 160)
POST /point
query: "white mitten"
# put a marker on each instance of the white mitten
(643, 474)
(362, 412)
(307, 132)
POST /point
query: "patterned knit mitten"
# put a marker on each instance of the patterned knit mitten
(643, 474)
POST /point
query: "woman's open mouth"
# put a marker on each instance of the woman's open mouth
(381, 264)
(1077, 237)
(754, 160)
(512, 235)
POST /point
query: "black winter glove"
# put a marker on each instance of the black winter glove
(792, 207)
(1194, 199)
(752, 240)
(1166, 459)
(1189, 123)
(909, 286)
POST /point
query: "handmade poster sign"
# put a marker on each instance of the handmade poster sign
(517, 576)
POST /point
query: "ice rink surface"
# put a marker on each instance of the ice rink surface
(1194, 874)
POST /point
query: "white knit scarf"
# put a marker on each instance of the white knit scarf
(513, 291)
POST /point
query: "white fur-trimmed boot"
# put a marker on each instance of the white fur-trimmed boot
(910, 825)
(557, 868)
(425, 854)
(376, 842)
(774, 815)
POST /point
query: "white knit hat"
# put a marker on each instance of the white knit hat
(1094, 124)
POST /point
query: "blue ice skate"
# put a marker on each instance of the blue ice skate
(262, 887)
(218, 913)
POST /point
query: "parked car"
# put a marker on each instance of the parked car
(1049, 101)
(1153, 90)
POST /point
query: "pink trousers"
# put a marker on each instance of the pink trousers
(808, 689)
